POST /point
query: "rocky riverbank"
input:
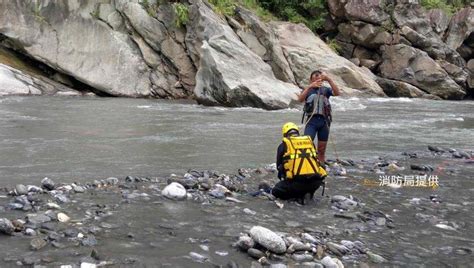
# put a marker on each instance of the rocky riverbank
(208, 218)
(138, 49)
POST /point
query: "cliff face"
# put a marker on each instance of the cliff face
(125, 48)
(413, 50)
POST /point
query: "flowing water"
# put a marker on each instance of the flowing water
(82, 139)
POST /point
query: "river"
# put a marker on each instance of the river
(81, 139)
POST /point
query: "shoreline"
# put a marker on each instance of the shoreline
(74, 217)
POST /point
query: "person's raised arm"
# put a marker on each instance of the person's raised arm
(302, 96)
(335, 89)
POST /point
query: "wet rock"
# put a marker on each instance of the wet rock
(174, 191)
(78, 189)
(38, 243)
(445, 227)
(34, 189)
(15, 206)
(219, 191)
(88, 265)
(57, 244)
(380, 221)
(51, 205)
(278, 265)
(61, 198)
(112, 181)
(268, 239)
(63, 217)
(51, 226)
(95, 254)
(337, 249)
(245, 242)
(302, 257)
(71, 232)
(255, 253)
(328, 262)
(19, 225)
(89, 241)
(375, 257)
(421, 167)
(37, 219)
(30, 232)
(249, 211)
(6, 226)
(48, 184)
(198, 257)
(343, 202)
(309, 238)
(21, 189)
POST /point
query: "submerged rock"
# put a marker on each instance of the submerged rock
(38, 243)
(268, 239)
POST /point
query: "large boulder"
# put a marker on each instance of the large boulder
(264, 35)
(230, 73)
(439, 20)
(460, 27)
(365, 34)
(157, 36)
(16, 82)
(413, 66)
(399, 89)
(371, 11)
(84, 47)
(470, 69)
(306, 52)
(268, 239)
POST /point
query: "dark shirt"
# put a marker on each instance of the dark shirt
(326, 91)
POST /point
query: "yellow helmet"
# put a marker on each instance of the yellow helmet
(289, 126)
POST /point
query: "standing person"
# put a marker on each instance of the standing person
(298, 167)
(318, 109)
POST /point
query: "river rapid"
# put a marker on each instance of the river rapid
(86, 139)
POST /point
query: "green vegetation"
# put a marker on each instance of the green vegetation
(224, 7)
(181, 12)
(332, 44)
(310, 12)
(261, 12)
(449, 6)
(152, 9)
(37, 13)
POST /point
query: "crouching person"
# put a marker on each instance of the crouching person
(299, 170)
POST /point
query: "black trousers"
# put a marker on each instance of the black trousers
(297, 187)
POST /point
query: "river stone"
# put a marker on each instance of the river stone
(63, 217)
(375, 257)
(38, 219)
(302, 257)
(48, 184)
(268, 239)
(245, 242)
(328, 262)
(337, 249)
(78, 189)
(89, 241)
(21, 189)
(255, 253)
(38, 243)
(6, 226)
(174, 191)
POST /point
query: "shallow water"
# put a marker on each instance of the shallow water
(88, 138)
(82, 139)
